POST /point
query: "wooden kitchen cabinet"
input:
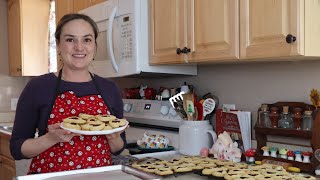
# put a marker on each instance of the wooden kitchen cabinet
(28, 37)
(63, 7)
(7, 163)
(72, 6)
(207, 28)
(266, 25)
(82, 4)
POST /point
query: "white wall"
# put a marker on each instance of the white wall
(247, 85)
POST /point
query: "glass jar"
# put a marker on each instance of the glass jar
(274, 116)
(297, 118)
(264, 116)
(286, 120)
(307, 121)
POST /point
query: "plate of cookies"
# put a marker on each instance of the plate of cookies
(87, 124)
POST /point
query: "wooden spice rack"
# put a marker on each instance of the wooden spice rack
(313, 136)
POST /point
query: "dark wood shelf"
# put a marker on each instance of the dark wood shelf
(284, 132)
(312, 136)
(306, 167)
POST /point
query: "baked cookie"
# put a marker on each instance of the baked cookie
(164, 171)
(244, 176)
(118, 123)
(106, 117)
(173, 162)
(219, 172)
(179, 168)
(86, 116)
(74, 119)
(95, 125)
(85, 127)
(107, 127)
(71, 125)
(150, 169)
(303, 176)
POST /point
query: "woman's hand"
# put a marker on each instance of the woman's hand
(57, 134)
(115, 141)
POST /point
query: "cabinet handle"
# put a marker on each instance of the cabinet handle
(18, 69)
(186, 50)
(178, 51)
(290, 38)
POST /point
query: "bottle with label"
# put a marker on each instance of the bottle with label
(307, 121)
(286, 120)
(264, 117)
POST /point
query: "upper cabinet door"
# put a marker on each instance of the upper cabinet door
(167, 29)
(28, 37)
(63, 7)
(266, 24)
(213, 30)
(82, 4)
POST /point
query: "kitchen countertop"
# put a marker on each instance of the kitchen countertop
(9, 124)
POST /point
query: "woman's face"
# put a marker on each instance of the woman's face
(77, 45)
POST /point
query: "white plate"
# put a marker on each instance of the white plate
(96, 132)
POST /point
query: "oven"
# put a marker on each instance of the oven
(152, 116)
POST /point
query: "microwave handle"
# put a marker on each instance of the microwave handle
(110, 39)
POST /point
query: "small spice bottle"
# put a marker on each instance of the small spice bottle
(297, 118)
(274, 117)
(307, 121)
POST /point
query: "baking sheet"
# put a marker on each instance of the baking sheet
(118, 172)
(104, 132)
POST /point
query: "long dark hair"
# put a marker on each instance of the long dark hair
(72, 16)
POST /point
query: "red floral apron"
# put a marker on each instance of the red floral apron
(81, 151)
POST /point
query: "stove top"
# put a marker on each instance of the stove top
(152, 113)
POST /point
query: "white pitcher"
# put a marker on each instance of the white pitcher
(194, 135)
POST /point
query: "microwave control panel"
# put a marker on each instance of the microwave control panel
(126, 36)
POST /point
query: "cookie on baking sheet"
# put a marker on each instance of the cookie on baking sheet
(219, 172)
(303, 176)
(164, 171)
(244, 176)
(150, 169)
(179, 168)
(106, 117)
(173, 162)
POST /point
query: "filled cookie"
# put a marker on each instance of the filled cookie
(75, 120)
(106, 117)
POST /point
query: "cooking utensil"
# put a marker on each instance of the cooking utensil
(175, 98)
(188, 105)
(208, 106)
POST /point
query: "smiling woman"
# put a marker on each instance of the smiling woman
(49, 99)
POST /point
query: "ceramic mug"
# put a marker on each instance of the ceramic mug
(195, 135)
